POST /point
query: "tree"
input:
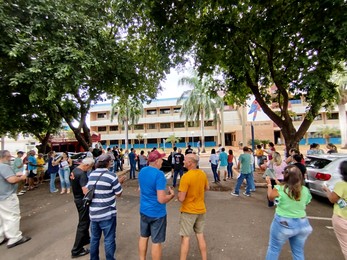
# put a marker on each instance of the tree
(172, 139)
(327, 132)
(71, 53)
(340, 79)
(199, 103)
(139, 137)
(294, 45)
(129, 110)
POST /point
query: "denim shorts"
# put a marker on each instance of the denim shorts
(154, 228)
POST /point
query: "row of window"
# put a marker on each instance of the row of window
(159, 140)
(151, 112)
(330, 116)
(157, 126)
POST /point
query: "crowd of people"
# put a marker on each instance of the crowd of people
(284, 176)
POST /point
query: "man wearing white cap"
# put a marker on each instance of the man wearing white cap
(153, 199)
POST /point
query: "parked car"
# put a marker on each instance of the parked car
(323, 170)
(77, 159)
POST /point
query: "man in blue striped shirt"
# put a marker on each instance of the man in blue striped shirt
(102, 210)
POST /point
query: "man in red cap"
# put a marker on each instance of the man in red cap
(153, 199)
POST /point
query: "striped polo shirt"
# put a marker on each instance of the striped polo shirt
(103, 206)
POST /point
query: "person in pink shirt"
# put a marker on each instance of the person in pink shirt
(277, 165)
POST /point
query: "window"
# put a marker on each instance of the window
(298, 118)
(101, 115)
(114, 128)
(179, 125)
(138, 127)
(152, 126)
(193, 124)
(165, 111)
(319, 117)
(102, 129)
(114, 142)
(332, 116)
(165, 125)
(152, 112)
(209, 139)
(208, 123)
(177, 110)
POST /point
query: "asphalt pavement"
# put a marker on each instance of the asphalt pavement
(236, 227)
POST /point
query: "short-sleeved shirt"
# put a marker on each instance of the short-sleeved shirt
(290, 208)
(150, 181)
(245, 161)
(214, 158)
(223, 157)
(193, 183)
(279, 169)
(80, 180)
(6, 188)
(188, 151)
(341, 190)
(230, 158)
(51, 168)
(179, 159)
(40, 161)
(17, 165)
(103, 206)
(32, 160)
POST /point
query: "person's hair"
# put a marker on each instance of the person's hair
(142, 152)
(245, 149)
(343, 170)
(88, 161)
(109, 149)
(179, 150)
(258, 146)
(194, 158)
(231, 152)
(132, 149)
(67, 154)
(20, 152)
(223, 149)
(50, 153)
(103, 164)
(3, 153)
(175, 148)
(213, 151)
(293, 181)
(297, 157)
(271, 144)
(276, 157)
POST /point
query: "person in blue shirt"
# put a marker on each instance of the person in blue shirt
(132, 161)
(32, 168)
(223, 158)
(153, 199)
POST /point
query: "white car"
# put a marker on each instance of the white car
(323, 169)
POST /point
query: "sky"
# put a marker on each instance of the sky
(170, 85)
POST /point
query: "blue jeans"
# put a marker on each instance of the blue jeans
(230, 170)
(240, 180)
(132, 169)
(214, 170)
(251, 182)
(108, 228)
(176, 172)
(52, 187)
(64, 176)
(295, 229)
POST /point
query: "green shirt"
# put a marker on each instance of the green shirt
(223, 157)
(16, 165)
(341, 190)
(290, 208)
(245, 161)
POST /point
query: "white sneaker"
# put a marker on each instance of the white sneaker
(234, 194)
(20, 193)
(246, 194)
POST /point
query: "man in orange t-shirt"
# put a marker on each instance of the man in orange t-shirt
(191, 193)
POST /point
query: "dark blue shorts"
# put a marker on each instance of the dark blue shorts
(154, 228)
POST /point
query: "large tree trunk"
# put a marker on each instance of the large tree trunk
(343, 125)
(126, 128)
(42, 148)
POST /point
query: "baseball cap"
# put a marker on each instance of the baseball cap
(155, 155)
(104, 158)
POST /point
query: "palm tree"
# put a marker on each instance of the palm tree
(129, 112)
(340, 79)
(172, 139)
(327, 132)
(199, 103)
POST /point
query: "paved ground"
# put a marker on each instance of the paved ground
(237, 227)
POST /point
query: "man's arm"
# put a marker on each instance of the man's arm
(163, 197)
(16, 178)
(181, 196)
